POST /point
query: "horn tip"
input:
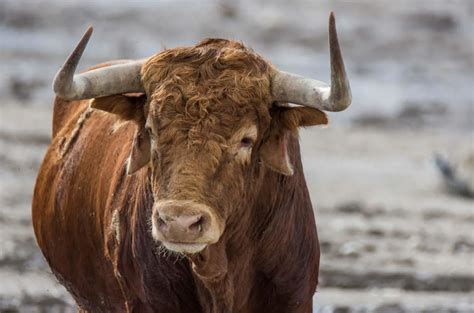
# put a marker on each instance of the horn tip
(332, 19)
(88, 32)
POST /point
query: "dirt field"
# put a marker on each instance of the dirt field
(393, 239)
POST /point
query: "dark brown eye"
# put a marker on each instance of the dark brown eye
(150, 132)
(246, 142)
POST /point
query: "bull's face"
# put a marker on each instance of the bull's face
(210, 123)
(201, 158)
(202, 168)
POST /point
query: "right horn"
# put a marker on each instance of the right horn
(106, 81)
(287, 87)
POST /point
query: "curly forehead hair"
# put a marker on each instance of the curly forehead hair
(215, 71)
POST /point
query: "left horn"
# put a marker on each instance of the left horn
(106, 81)
(287, 87)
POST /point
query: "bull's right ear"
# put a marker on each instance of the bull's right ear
(140, 153)
(130, 108)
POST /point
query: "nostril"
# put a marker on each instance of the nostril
(196, 227)
(190, 223)
(162, 224)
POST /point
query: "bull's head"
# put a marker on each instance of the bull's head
(212, 117)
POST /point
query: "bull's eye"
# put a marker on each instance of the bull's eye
(150, 132)
(246, 142)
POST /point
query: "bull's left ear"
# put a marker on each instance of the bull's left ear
(130, 108)
(285, 123)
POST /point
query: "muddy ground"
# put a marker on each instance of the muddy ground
(393, 239)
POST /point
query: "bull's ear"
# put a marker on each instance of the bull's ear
(130, 108)
(126, 107)
(285, 123)
(140, 153)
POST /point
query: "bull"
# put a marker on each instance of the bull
(175, 183)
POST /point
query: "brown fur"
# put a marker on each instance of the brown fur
(92, 221)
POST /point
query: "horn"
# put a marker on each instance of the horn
(106, 81)
(287, 87)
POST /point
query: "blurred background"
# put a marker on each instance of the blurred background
(395, 236)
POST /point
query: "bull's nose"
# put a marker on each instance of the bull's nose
(187, 225)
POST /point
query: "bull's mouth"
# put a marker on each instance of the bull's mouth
(184, 247)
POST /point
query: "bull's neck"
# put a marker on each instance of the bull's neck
(223, 272)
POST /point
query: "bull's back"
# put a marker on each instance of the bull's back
(82, 169)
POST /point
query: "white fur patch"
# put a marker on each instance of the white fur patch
(115, 224)
(187, 248)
